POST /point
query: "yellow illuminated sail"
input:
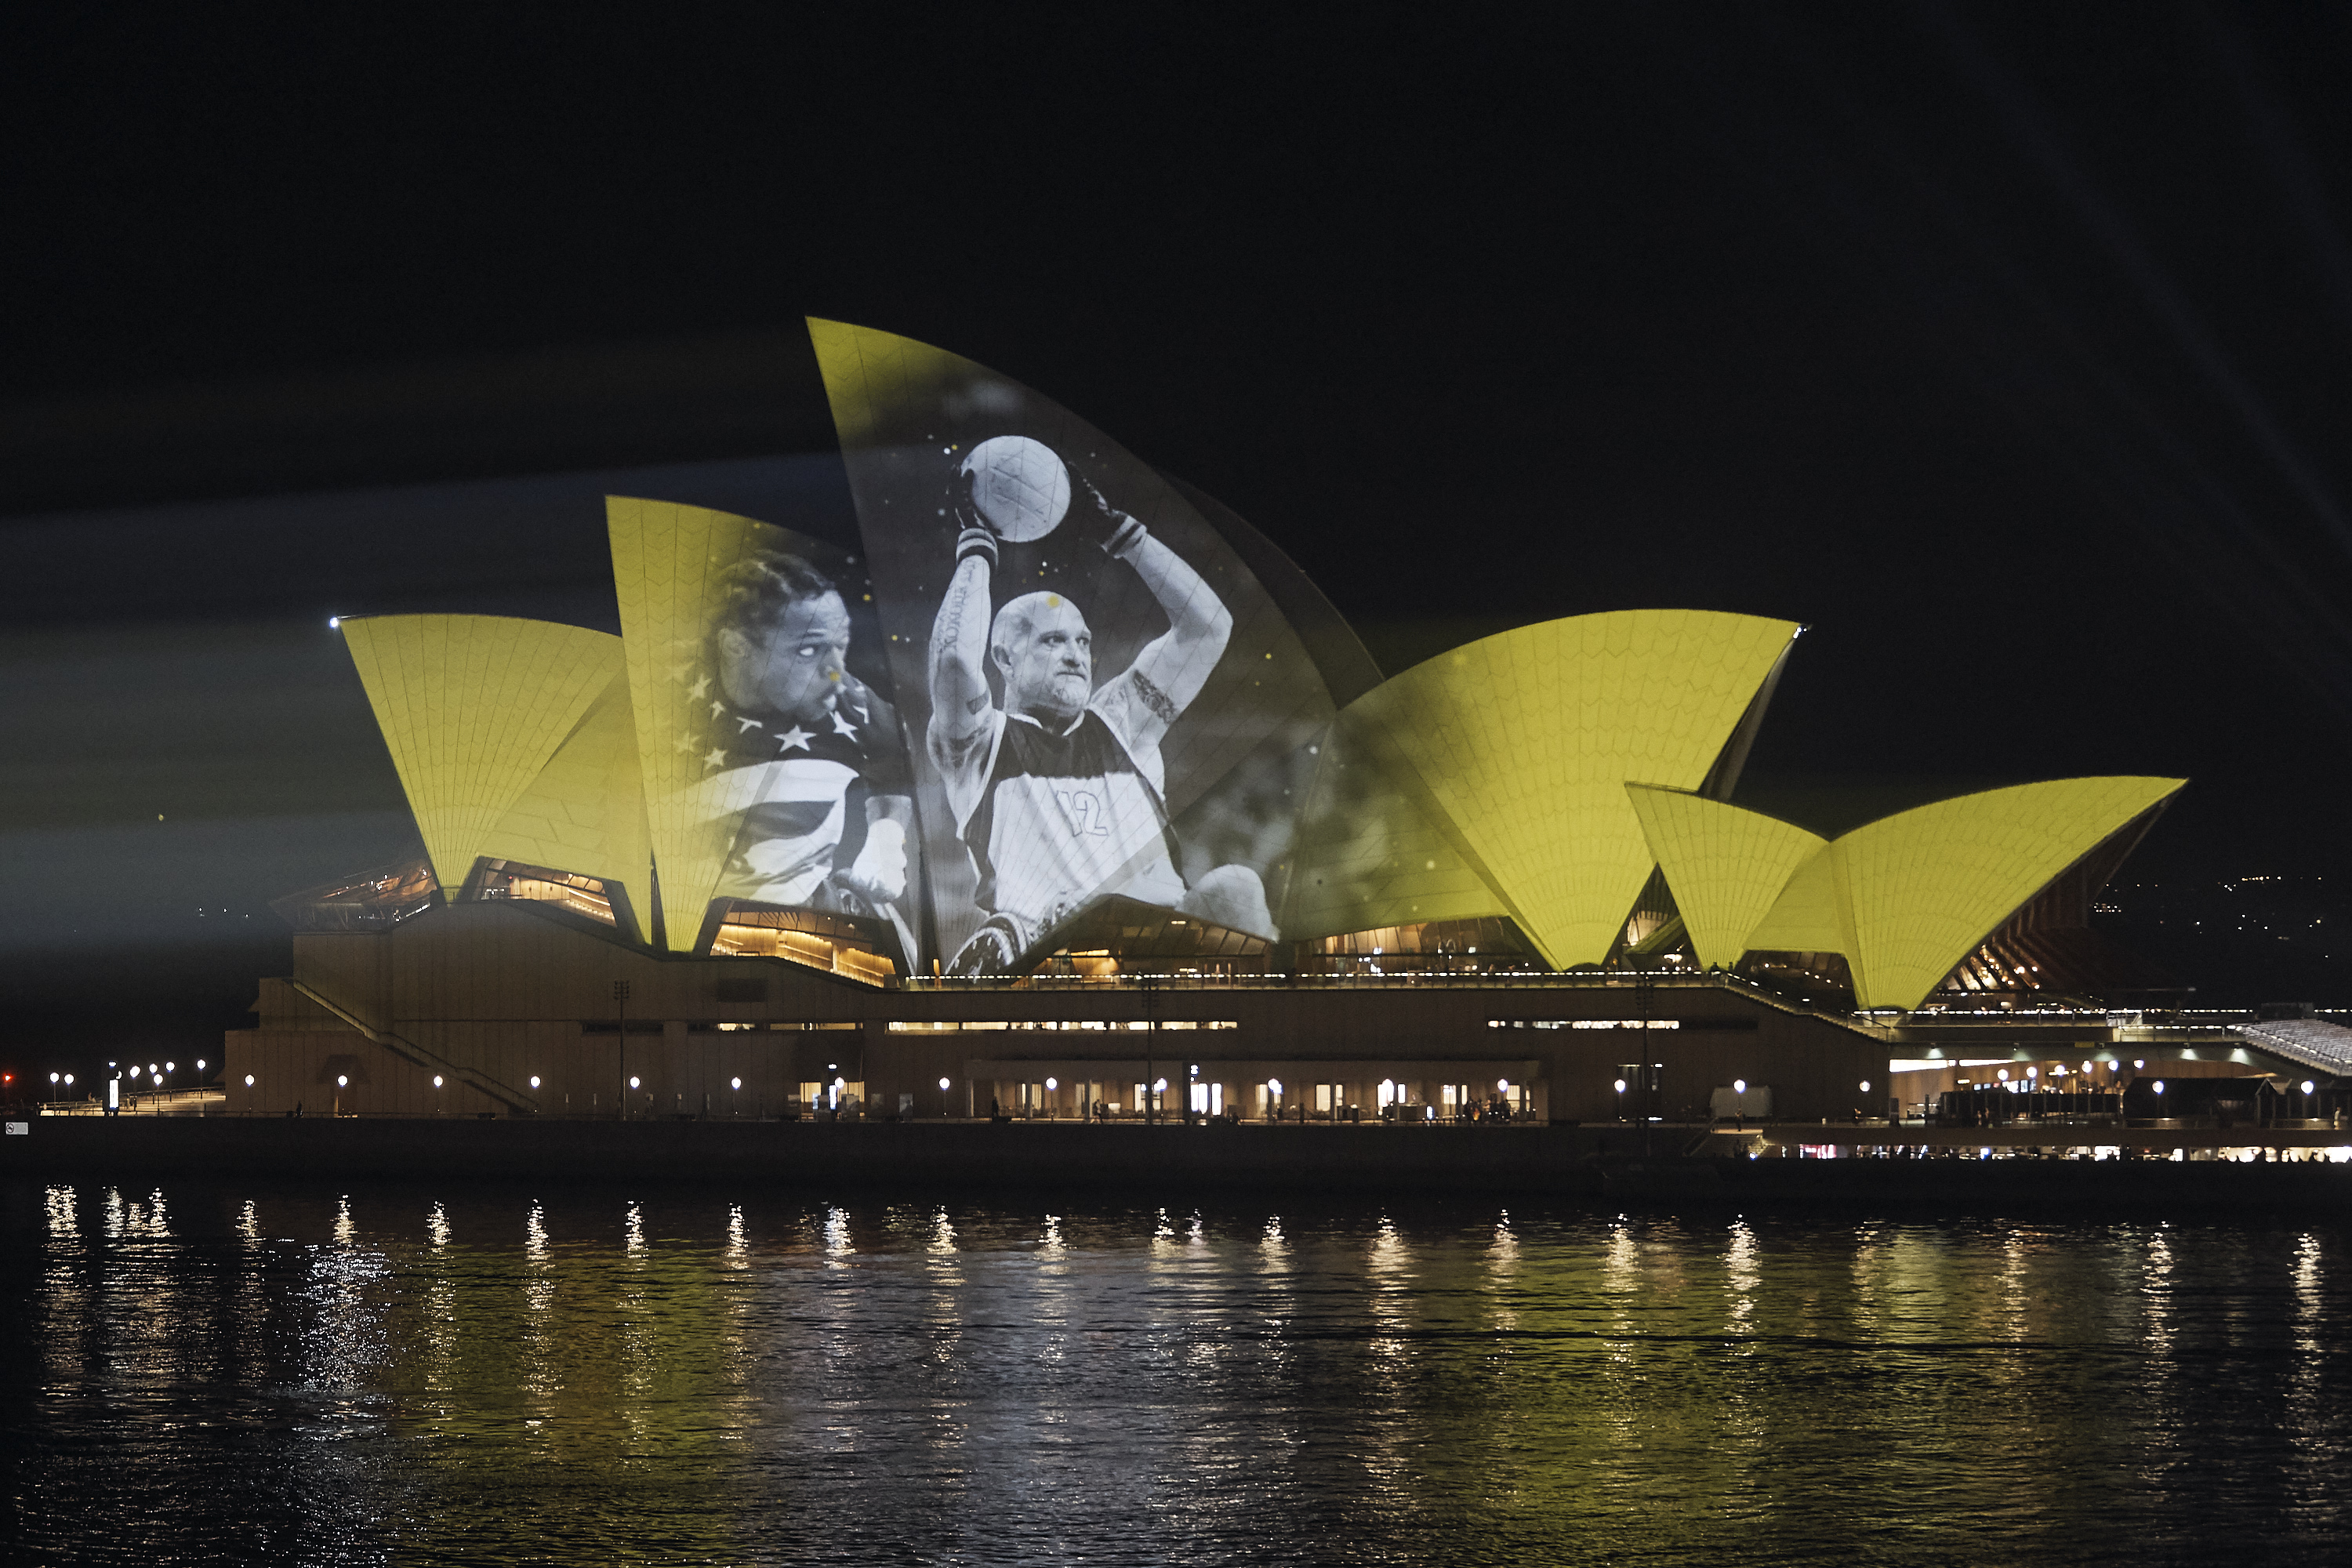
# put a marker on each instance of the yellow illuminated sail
(1520, 746)
(472, 708)
(1725, 866)
(585, 811)
(667, 566)
(1926, 886)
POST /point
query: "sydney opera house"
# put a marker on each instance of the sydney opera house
(1067, 794)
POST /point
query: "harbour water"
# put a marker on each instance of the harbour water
(241, 1371)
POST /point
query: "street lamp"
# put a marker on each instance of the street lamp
(620, 989)
(943, 1098)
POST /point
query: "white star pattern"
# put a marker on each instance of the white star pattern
(717, 708)
(795, 736)
(842, 726)
(714, 758)
(699, 688)
(742, 724)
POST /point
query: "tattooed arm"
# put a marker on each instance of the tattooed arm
(958, 658)
(1174, 667)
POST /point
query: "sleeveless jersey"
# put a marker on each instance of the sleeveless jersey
(1057, 817)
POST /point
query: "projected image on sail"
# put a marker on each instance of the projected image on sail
(1091, 659)
(779, 772)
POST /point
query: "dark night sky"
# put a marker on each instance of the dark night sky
(2004, 345)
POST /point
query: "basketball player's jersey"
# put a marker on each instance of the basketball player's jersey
(797, 788)
(1058, 817)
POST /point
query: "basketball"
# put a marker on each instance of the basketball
(1019, 486)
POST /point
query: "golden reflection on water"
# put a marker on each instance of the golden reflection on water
(1740, 1271)
(746, 1378)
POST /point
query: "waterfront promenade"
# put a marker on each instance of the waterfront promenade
(1772, 1167)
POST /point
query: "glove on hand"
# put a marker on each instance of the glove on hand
(974, 535)
(1098, 522)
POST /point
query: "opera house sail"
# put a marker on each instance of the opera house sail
(1054, 725)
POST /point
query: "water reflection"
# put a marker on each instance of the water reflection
(406, 1375)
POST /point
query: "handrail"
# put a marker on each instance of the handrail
(1513, 980)
(417, 1055)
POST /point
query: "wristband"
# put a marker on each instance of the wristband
(976, 541)
(1125, 537)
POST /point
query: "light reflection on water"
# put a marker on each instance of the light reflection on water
(219, 1373)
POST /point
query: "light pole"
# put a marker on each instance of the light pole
(734, 1105)
(943, 1099)
(1643, 991)
(248, 1092)
(1151, 1036)
(621, 1062)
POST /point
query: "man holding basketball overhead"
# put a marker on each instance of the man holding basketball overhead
(1058, 790)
